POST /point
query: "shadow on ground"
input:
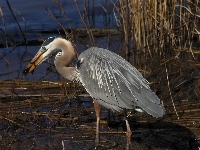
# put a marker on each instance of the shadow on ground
(163, 135)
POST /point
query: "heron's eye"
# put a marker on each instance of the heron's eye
(58, 54)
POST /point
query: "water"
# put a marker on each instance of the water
(34, 18)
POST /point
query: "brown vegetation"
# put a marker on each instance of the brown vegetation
(160, 38)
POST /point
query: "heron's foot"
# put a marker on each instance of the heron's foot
(128, 137)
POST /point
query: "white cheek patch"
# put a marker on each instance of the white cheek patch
(59, 54)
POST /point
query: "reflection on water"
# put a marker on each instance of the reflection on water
(32, 20)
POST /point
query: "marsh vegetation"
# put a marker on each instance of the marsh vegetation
(160, 38)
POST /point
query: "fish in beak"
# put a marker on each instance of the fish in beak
(44, 52)
(39, 58)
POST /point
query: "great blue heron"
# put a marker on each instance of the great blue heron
(108, 78)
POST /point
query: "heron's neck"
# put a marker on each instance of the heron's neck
(62, 62)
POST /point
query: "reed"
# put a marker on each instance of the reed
(160, 38)
(155, 29)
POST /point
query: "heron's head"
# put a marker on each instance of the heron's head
(44, 52)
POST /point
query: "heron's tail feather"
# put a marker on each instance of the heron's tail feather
(147, 101)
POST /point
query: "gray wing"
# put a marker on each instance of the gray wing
(115, 83)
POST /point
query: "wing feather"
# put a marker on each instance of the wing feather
(115, 83)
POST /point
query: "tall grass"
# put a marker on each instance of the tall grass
(161, 39)
(157, 29)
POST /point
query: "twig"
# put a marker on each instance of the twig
(66, 17)
(20, 125)
(50, 13)
(89, 32)
(2, 56)
(16, 20)
(3, 21)
(188, 10)
(126, 29)
(170, 91)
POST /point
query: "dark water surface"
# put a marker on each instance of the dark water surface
(34, 19)
(45, 121)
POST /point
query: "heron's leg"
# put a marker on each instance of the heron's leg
(128, 131)
(97, 108)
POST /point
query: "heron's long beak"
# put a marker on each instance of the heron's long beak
(34, 62)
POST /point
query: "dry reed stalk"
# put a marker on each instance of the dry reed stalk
(163, 40)
(10, 8)
(4, 26)
(149, 23)
(152, 24)
(86, 25)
